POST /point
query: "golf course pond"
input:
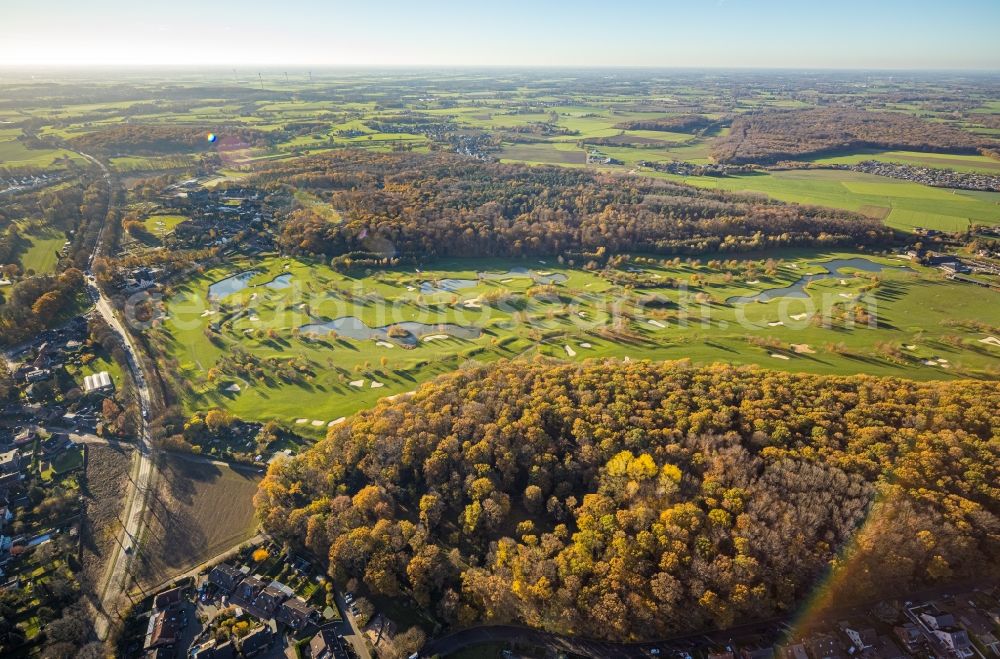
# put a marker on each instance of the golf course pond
(834, 269)
(452, 285)
(406, 333)
(238, 282)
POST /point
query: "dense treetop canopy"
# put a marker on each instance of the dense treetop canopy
(777, 135)
(445, 205)
(633, 500)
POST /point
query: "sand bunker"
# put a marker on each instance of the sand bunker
(384, 344)
(336, 421)
(754, 281)
(570, 351)
(779, 356)
(233, 387)
(357, 383)
(775, 323)
(377, 385)
(656, 323)
(435, 337)
(585, 345)
(299, 422)
(317, 423)
(991, 340)
(472, 304)
(803, 348)
(799, 316)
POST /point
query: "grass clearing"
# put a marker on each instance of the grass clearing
(162, 225)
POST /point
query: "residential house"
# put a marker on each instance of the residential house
(10, 462)
(980, 628)
(327, 645)
(296, 613)
(955, 639)
(163, 630)
(935, 619)
(213, 650)
(169, 599)
(248, 589)
(823, 646)
(862, 637)
(256, 642)
(267, 602)
(25, 436)
(909, 635)
(225, 577)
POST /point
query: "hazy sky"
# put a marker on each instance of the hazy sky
(666, 33)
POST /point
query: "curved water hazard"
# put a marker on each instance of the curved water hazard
(446, 285)
(452, 285)
(353, 327)
(534, 275)
(239, 281)
(798, 289)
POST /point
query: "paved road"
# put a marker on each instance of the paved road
(117, 580)
(350, 630)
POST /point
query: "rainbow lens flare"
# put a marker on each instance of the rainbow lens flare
(211, 137)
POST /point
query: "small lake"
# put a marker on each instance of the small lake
(452, 285)
(353, 327)
(798, 289)
(516, 273)
(446, 285)
(236, 283)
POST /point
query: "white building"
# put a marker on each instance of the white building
(97, 382)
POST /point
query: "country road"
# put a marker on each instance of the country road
(116, 581)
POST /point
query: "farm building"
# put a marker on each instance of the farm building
(97, 382)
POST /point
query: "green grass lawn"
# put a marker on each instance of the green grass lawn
(43, 245)
(903, 204)
(162, 225)
(347, 374)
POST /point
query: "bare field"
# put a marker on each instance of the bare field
(103, 490)
(201, 508)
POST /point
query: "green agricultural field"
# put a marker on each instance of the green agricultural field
(903, 204)
(14, 155)
(573, 318)
(545, 153)
(960, 163)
